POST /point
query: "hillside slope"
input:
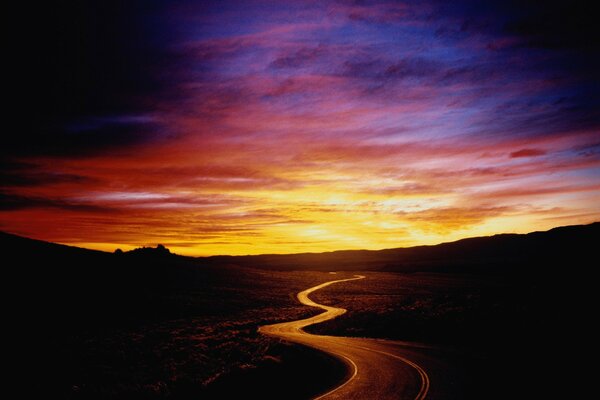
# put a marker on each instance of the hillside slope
(505, 251)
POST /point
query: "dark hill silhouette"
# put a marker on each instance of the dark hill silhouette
(61, 298)
(96, 287)
(137, 285)
(499, 252)
(85, 324)
(133, 285)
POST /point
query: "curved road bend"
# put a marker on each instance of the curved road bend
(379, 369)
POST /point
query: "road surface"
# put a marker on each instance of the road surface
(378, 369)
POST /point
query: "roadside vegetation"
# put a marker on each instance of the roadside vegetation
(148, 324)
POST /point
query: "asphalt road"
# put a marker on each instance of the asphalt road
(378, 369)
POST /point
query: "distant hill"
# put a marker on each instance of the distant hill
(157, 266)
(505, 251)
(81, 286)
(26, 247)
(70, 311)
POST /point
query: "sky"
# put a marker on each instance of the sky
(247, 127)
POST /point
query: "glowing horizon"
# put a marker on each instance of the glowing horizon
(260, 127)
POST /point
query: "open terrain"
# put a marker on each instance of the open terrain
(152, 325)
(377, 369)
(149, 324)
(515, 254)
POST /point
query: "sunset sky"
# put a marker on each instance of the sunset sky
(245, 127)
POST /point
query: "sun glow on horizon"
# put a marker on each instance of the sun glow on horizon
(285, 127)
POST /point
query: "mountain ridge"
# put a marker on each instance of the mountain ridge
(468, 253)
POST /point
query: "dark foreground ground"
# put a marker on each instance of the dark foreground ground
(503, 336)
(473, 324)
(151, 325)
(210, 352)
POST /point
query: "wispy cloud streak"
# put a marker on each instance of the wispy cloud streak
(249, 127)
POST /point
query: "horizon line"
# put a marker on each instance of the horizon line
(306, 252)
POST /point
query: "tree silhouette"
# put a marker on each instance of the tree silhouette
(162, 249)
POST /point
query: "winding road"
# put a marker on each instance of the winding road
(378, 369)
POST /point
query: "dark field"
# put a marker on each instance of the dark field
(203, 354)
(518, 336)
(426, 307)
(152, 325)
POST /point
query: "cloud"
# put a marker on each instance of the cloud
(408, 189)
(81, 61)
(557, 25)
(19, 174)
(84, 137)
(448, 219)
(527, 153)
(382, 12)
(298, 58)
(10, 202)
(546, 191)
(333, 124)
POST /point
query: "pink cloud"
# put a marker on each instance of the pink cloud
(527, 153)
